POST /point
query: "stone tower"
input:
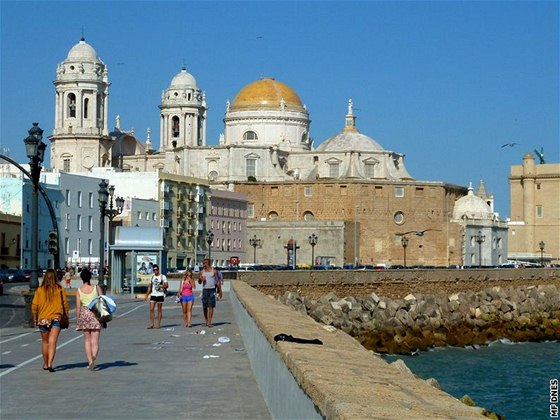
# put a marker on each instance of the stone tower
(80, 139)
(183, 113)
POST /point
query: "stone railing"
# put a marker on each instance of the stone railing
(338, 379)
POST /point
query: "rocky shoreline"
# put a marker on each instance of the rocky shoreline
(420, 322)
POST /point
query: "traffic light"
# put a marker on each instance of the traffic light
(53, 242)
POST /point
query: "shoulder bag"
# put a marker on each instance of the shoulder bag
(64, 321)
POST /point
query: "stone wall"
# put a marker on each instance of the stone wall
(404, 312)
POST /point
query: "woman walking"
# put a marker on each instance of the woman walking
(187, 297)
(86, 320)
(49, 303)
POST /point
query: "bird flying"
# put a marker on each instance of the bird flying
(509, 144)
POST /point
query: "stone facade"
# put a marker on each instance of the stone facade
(381, 209)
(535, 211)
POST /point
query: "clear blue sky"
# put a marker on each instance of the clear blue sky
(445, 83)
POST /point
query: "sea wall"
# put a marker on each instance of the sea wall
(418, 322)
(339, 378)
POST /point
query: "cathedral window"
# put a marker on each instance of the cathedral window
(66, 165)
(251, 167)
(250, 136)
(71, 105)
(539, 212)
(399, 192)
(308, 216)
(369, 170)
(212, 176)
(308, 191)
(99, 103)
(398, 217)
(175, 126)
(250, 210)
(334, 168)
(273, 215)
(86, 105)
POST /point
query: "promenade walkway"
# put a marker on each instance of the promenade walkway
(172, 372)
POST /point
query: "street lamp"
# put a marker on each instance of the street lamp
(115, 208)
(404, 243)
(541, 246)
(255, 242)
(209, 240)
(35, 149)
(479, 238)
(313, 241)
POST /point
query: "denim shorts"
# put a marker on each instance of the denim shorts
(208, 298)
(54, 324)
(189, 298)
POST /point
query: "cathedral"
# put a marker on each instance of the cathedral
(266, 152)
(266, 135)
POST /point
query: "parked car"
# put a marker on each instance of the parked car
(17, 275)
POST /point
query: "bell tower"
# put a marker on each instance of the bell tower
(80, 139)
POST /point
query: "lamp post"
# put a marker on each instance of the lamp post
(479, 238)
(404, 243)
(541, 246)
(35, 149)
(105, 197)
(255, 242)
(209, 240)
(313, 241)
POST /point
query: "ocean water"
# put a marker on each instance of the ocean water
(511, 379)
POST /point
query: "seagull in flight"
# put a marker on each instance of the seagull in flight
(417, 232)
(509, 144)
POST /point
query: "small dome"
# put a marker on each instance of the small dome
(472, 207)
(82, 51)
(350, 141)
(267, 93)
(183, 80)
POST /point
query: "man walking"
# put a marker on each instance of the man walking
(209, 279)
(156, 293)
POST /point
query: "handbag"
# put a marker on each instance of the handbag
(100, 309)
(64, 320)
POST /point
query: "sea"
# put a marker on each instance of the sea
(511, 379)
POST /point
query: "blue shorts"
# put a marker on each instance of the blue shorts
(46, 328)
(189, 298)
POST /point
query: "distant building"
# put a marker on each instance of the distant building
(10, 241)
(484, 235)
(535, 211)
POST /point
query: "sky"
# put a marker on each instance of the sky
(446, 83)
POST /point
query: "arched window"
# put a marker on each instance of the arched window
(212, 176)
(99, 103)
(86, 106)
(273, 215)
(175, 126)
(71, 105)
(308, 216)
(250, 135)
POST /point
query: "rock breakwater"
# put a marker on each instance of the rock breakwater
(419, 322)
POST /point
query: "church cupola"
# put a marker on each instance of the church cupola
(80, 137)
(183, 113)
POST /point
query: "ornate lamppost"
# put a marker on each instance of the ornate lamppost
(404, 243)
(541, 246)
(115, 208)
(35, 149)
(209, 240)
(255, 242)
(479, 238)
(313, 241)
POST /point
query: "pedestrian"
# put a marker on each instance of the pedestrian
(49, 304)
(219, 279)
(86, 320)
(187, 297)
(156, 292)
(68, 277)
(208, 277)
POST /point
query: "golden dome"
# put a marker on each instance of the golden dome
(267, 93)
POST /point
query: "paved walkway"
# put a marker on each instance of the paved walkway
(173, 372)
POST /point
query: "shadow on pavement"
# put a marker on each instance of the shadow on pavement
(101, 366)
